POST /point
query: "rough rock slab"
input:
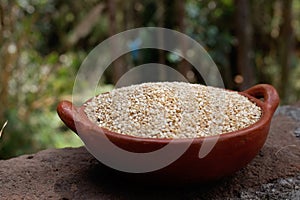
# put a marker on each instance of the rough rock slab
(72, 173)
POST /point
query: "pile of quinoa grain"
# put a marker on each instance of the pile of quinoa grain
(172, 110)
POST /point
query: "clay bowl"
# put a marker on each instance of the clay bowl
(231, 151)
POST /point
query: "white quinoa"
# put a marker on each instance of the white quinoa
(172, 110)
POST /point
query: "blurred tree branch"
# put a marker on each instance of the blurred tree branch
(85, 25)
(184, 67)
(244, 50)
(118, 66)
(286, 43)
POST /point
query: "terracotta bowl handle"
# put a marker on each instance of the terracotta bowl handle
(267, 92)
(66, 111)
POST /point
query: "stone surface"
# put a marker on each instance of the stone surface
(72, 173)
(290, 111)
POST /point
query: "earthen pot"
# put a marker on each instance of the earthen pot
(231, 151)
